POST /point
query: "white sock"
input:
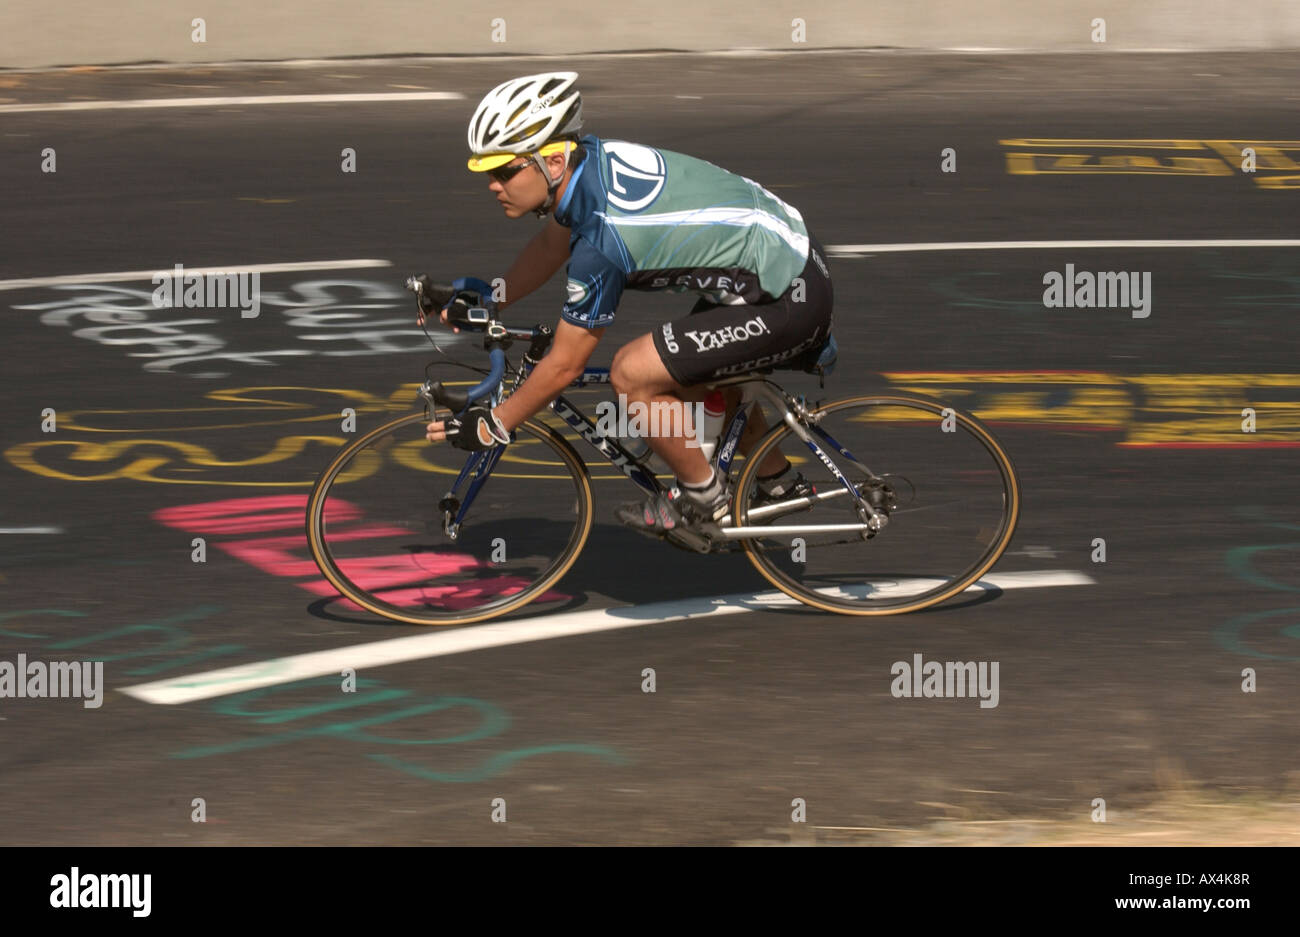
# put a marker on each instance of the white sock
(775, 485)
(704, 494)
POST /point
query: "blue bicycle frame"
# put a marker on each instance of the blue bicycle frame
(478, 467)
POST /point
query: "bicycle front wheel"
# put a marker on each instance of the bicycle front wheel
(377, 523)
(947, 489)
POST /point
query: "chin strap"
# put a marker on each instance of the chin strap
(551, 184)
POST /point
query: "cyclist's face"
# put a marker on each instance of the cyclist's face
(523, 191)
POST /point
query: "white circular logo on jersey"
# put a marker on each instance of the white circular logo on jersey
(636, 174)
(577, 292)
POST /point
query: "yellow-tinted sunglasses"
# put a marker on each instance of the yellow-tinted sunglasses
(494, 161)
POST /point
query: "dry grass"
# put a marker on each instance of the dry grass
(1182, 816)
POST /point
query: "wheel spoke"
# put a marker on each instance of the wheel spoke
(951, 513)
(516, 536)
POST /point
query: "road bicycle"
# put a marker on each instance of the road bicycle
(912, 500)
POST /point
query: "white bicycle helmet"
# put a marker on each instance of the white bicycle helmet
(521, 117)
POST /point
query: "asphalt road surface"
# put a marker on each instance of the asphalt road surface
(1128, 429)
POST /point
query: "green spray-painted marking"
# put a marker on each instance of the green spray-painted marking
(176, 637)
(1240, 561)
(1263, 516)
(235, 705)
(950, 287)
(218, 651)
(66, 613)
(1289, 288)
(494, 721)
(251, 704)
(253, 672)
(1228, 634)
(499, 763)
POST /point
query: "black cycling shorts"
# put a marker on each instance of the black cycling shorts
(716, 341)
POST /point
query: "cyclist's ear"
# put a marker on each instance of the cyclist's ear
(557, 163)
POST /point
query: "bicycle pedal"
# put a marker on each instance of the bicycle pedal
(691, 540)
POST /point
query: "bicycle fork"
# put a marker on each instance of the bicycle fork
(478, 468)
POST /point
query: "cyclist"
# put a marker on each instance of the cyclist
(628, 216)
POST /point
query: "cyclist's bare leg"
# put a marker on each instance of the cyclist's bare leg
(755, 426)
(755, 429)
(640, 375)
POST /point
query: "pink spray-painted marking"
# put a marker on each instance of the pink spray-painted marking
(377, 572)
(397, 569)
(251, 515)
(272, 554)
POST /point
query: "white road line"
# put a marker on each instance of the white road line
(128, 275)
(31, 530)
(187, 689)
(407, 61)
(856, 250)
(234, 101)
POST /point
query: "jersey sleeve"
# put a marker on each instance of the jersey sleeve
(595, 286)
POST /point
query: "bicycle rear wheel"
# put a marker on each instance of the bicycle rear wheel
(380, 540)
(948, 489)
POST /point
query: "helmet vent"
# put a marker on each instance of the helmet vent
(524, 114)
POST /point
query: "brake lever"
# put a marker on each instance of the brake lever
(427, 294)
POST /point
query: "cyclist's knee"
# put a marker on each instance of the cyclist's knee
(637, 370)
(622, 372)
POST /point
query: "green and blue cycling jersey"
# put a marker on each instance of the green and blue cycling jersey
(647, 219)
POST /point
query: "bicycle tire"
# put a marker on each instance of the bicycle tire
(766, 561)
(318, 538)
